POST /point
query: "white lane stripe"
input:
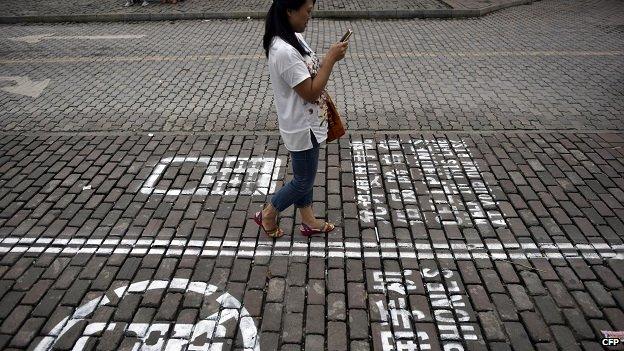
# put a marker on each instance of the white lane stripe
(251, 248)
(43, 242)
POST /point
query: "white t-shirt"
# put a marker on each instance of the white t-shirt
(295, 116)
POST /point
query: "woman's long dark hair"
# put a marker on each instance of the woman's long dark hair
(277, 24)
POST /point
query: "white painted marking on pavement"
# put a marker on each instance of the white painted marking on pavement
(229, 175)
(25, 86)
(251, 248)
(231, 309)
(34, 39)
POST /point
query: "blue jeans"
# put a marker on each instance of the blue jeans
(299, 190)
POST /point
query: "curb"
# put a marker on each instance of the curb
(325, 14)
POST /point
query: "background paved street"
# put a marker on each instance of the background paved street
(551, 65)
(81, 7)
(478, 195)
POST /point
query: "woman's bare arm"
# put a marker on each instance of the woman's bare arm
(311, 88)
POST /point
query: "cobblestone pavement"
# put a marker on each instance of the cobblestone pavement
(550, 65)
(445, 241)
(82, 7)
(127, 182)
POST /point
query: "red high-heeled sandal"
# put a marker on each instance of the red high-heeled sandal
(274, 233)
(306, 230)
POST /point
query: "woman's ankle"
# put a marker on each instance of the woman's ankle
(312, 223)
(269, 211)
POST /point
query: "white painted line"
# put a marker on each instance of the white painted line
(179, 247)
(251, 248)
(34, 39)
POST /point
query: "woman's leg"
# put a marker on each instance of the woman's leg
(310, 175)
(299, 190)
(305, 203)
(300, 186)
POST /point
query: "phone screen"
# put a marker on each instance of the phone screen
(346, 36)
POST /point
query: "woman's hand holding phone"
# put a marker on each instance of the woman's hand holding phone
(338, 50)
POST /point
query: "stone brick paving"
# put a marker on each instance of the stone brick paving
(545, 66)
(446, 241)
(503, 239)
(86, 7)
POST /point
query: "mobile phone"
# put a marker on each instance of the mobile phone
(346, 36)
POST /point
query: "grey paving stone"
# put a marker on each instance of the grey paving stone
(569, 278)
(315, 319)
(590, 346)
(358, 324)
(505, 307)
(600, 295)
(275, 292)
(479, 298)
(27, 279)
(253, 302)
(356, 295)
(169, 306)
(360, 345)
(535, 326)
(60, 313)
(549, 310)
(240, 271)
(14, 320)
(434, 114)
(533, 283)
(587, 304)
(507, 272)
(314, 342)
(4, 340)
(297, 274)
(619, 297)
(336, 307)
(492, 326)
(34, 295)
(582, 270)
(615, 316)
(546, 346)
(269, 340)
(293, 328)
(578, 323)
(500, 346)
(564, 337)
(272, 317)
(607, 277)
(421, 303)
(295, 299)
(48, 303)
(560, 294)
(335, 280)
(518, 336)
(337, 336)
(316, 292)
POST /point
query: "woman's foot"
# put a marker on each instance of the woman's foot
(319, 227)
(269, 218)
(317, 224)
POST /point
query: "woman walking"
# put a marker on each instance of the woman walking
(298, 80)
